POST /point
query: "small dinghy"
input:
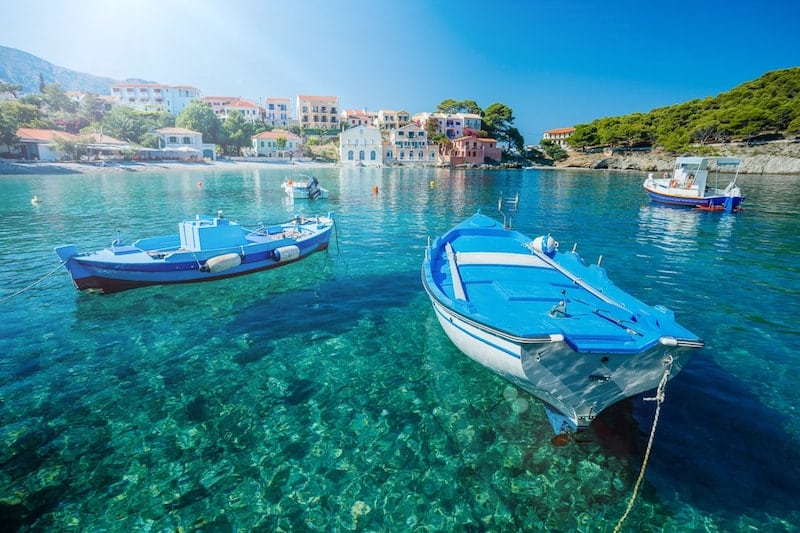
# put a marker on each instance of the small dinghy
(306, 187)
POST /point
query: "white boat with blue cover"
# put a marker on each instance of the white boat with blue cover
(689, 184)
(548, 323)
(204, 249)
(304, 187)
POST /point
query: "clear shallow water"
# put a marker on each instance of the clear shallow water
(324, 395)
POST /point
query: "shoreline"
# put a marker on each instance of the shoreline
(16, 168)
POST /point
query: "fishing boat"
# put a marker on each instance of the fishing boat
(306, 187)
(547, 322)
(204, 249)
(689, 184)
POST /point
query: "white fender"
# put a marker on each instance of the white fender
(223, 262)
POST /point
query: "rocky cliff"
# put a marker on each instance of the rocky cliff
(780, 157)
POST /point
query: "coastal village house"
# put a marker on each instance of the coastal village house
(559, 136)
(222, 106)
(392, 120)
(278, 112)
(38, 144)
(358, 117)
(184, 144)
(452, 125)
(361, 145)
(318, 112)
(268, 144)
(409, 145)
(154, 97)
(473, 150)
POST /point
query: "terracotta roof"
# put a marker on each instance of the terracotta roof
(305, 97)
(275, 134)
(37, 135)
(177, 130)
(558, 131)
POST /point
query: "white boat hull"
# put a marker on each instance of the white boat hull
(574, 387)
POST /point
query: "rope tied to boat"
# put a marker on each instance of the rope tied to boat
(658, 398)
(56, 269)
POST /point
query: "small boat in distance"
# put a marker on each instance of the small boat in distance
(548, 323)
(205, 249)
(689, 185)
(307, 187)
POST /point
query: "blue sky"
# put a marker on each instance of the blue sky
(556, 63)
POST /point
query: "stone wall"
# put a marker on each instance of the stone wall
(780, 157)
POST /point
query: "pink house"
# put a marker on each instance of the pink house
(474, 150)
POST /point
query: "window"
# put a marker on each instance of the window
(186, 140)
(173, 140)
(349, 155)
(372, 155)
(361, 155)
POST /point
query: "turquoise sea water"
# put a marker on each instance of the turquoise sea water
(324, 396)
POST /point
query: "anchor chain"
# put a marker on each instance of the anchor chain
(658, 398)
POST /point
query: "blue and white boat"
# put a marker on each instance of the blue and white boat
(304, 187)
(689, 184)
(204, 249)
(548, 323)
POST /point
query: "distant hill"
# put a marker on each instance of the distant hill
(21, 68)
(767, 108)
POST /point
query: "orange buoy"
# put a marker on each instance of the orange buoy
(199, 184)
(375, 189)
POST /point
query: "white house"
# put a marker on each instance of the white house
(267, 144)
(361, 145)
(154, 97)
(409, 145)
(182, 143)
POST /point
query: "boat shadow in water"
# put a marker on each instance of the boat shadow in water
(327, 308)
(726, 452)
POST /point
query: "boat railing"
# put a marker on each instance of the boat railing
(508, 207)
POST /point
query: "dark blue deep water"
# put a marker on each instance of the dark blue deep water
(324, 396)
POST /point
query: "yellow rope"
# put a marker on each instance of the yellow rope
(34, 283)
(659, 397)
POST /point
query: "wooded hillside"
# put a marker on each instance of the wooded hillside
(768, 107)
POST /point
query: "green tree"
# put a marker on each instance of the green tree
(198, 116)
(56, 99)
(12, 88)
(8, 127)
(71, 149)
(459, 106)
(553, 150)
(24, 115)
(498, 119)
(125, 123)
(91, 108)
(238, 133)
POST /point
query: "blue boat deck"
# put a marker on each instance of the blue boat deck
(515, 291)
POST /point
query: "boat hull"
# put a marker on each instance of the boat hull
(575, 388)
(123, 267)
(706, 202)
(547, 322)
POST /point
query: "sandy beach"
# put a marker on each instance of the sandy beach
(93, 167)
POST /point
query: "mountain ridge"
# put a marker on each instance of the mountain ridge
(18, 67)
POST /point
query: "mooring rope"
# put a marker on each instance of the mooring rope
(658, 398)
(56, 269)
